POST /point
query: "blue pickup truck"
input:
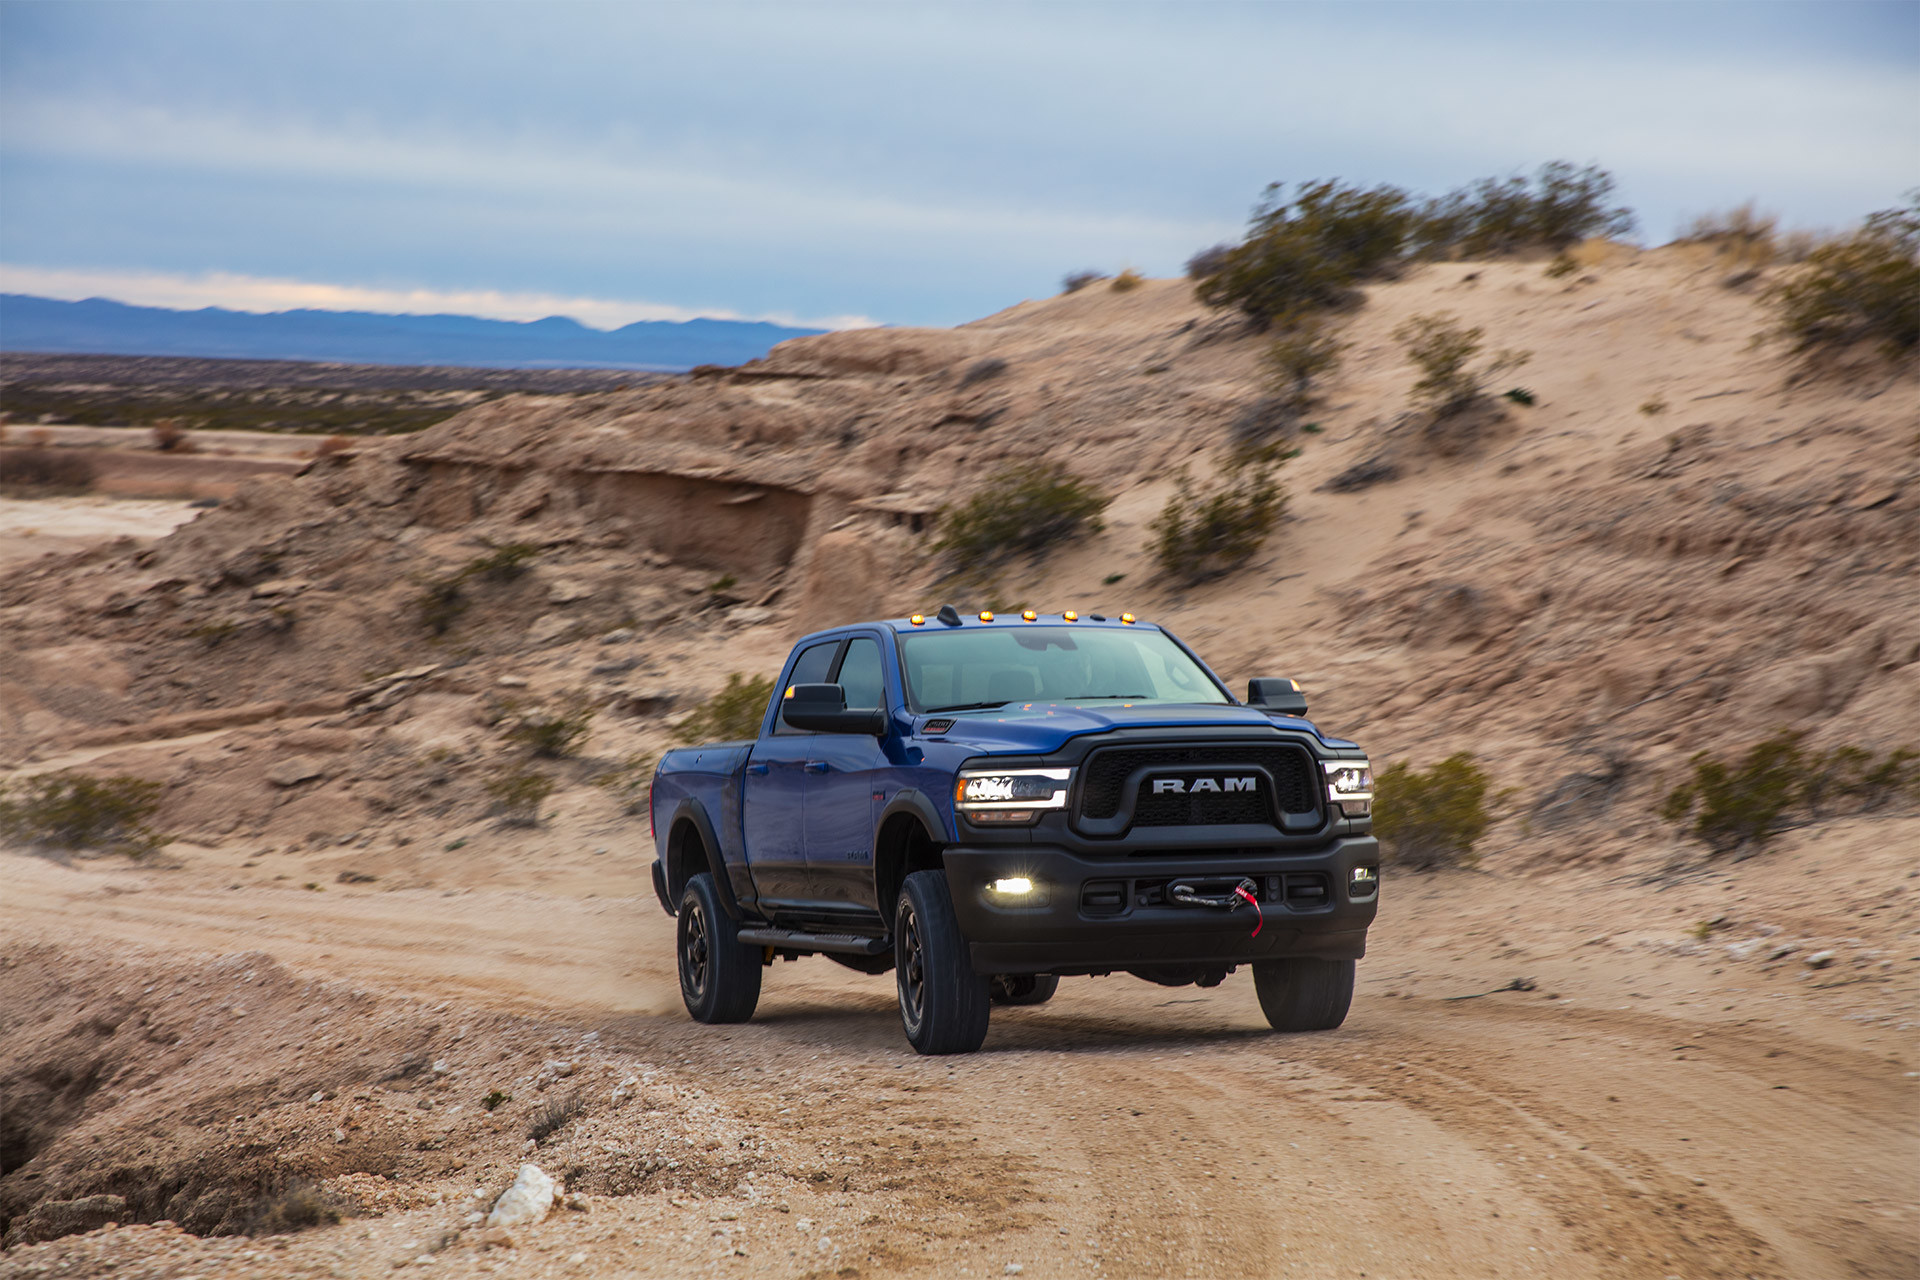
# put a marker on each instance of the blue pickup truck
(985, 805)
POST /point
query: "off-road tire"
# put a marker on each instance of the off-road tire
(719, 974)
(1304, 994)
(1023, 988)
(944, 1004)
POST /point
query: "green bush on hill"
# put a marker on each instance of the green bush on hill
(731, 715)
(1203, 533)
(1863, 288)
(76, 811)
(1729, 805)
(1024, 508)
(1309, 252)
(1433, 817)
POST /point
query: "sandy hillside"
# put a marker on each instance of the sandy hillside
(1675, 547)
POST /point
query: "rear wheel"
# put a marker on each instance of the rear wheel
(944, 1004)
(1304, 994)
(1023, 988)
(719, 974)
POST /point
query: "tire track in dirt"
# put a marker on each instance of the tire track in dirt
(1119, 1131)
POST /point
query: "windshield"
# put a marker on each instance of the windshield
(988, 667)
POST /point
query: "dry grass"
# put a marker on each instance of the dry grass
(39, 467)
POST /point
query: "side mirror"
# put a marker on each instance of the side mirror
(1277, 693)
(822, 708)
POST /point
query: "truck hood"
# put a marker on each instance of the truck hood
(1040, 727)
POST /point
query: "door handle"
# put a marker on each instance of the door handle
(815, 766)
(756, 767)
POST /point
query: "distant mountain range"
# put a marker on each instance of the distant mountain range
(101, 326)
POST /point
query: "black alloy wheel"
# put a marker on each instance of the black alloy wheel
(719, 974)
(944, 1004)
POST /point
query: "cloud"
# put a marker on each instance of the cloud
(263, 294)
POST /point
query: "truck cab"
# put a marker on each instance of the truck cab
(987, 804)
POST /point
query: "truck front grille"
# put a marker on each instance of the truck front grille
(1107, 769)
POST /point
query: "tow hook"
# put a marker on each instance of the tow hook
(1246, 891)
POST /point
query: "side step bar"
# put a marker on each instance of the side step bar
(848, 942)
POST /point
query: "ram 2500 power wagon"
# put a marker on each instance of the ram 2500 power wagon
(985, 805)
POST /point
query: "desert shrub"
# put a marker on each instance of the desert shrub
(554, 1115)
(1741, 803)
(518, 795)
(1208, 262)
(1126, 280)
(332, 445)
(553, 733)
(1075, 281)
(502, 563)
(1025, 508)
(39, 467)
(731, 715)
(1742, 236)
(1561, 205)
(441, 602)
(1560, 265)
(1432, 817)
(1731, 804)
(1307, 253)
(982, 371)
(1203, 533)
(1295, 358)
(494, 1098)
(296, 1208)
(77, 811)
(170, 437)
(1443, 352)
(1863, 288)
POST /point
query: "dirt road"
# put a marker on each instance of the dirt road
(1665, 1100)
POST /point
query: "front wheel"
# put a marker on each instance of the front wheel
(719, 974)
(1024, 988)
(944, 1004)
(1305, 993)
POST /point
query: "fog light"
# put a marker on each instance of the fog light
(1364, 880)
(1013, 885)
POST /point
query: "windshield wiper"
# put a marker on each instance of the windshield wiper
(966, 706)
(1094, 697)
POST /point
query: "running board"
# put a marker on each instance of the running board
(848, 942)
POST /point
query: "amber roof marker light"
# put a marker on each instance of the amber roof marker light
(1029, 615)
(1127, 618)
(986, 615)
(1071, 616)
(918, 619)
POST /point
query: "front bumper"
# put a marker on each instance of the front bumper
(1068, 933)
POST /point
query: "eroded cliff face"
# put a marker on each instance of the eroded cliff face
(1675, 547)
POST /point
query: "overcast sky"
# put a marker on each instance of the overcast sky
(900, 163)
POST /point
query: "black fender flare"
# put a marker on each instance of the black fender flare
(913, 801)
(691, 811)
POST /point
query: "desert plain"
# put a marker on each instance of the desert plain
(345, 988)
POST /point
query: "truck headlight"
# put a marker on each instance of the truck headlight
(1350, 785)
(1010, 795)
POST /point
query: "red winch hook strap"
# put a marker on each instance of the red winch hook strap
(1243, 892)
